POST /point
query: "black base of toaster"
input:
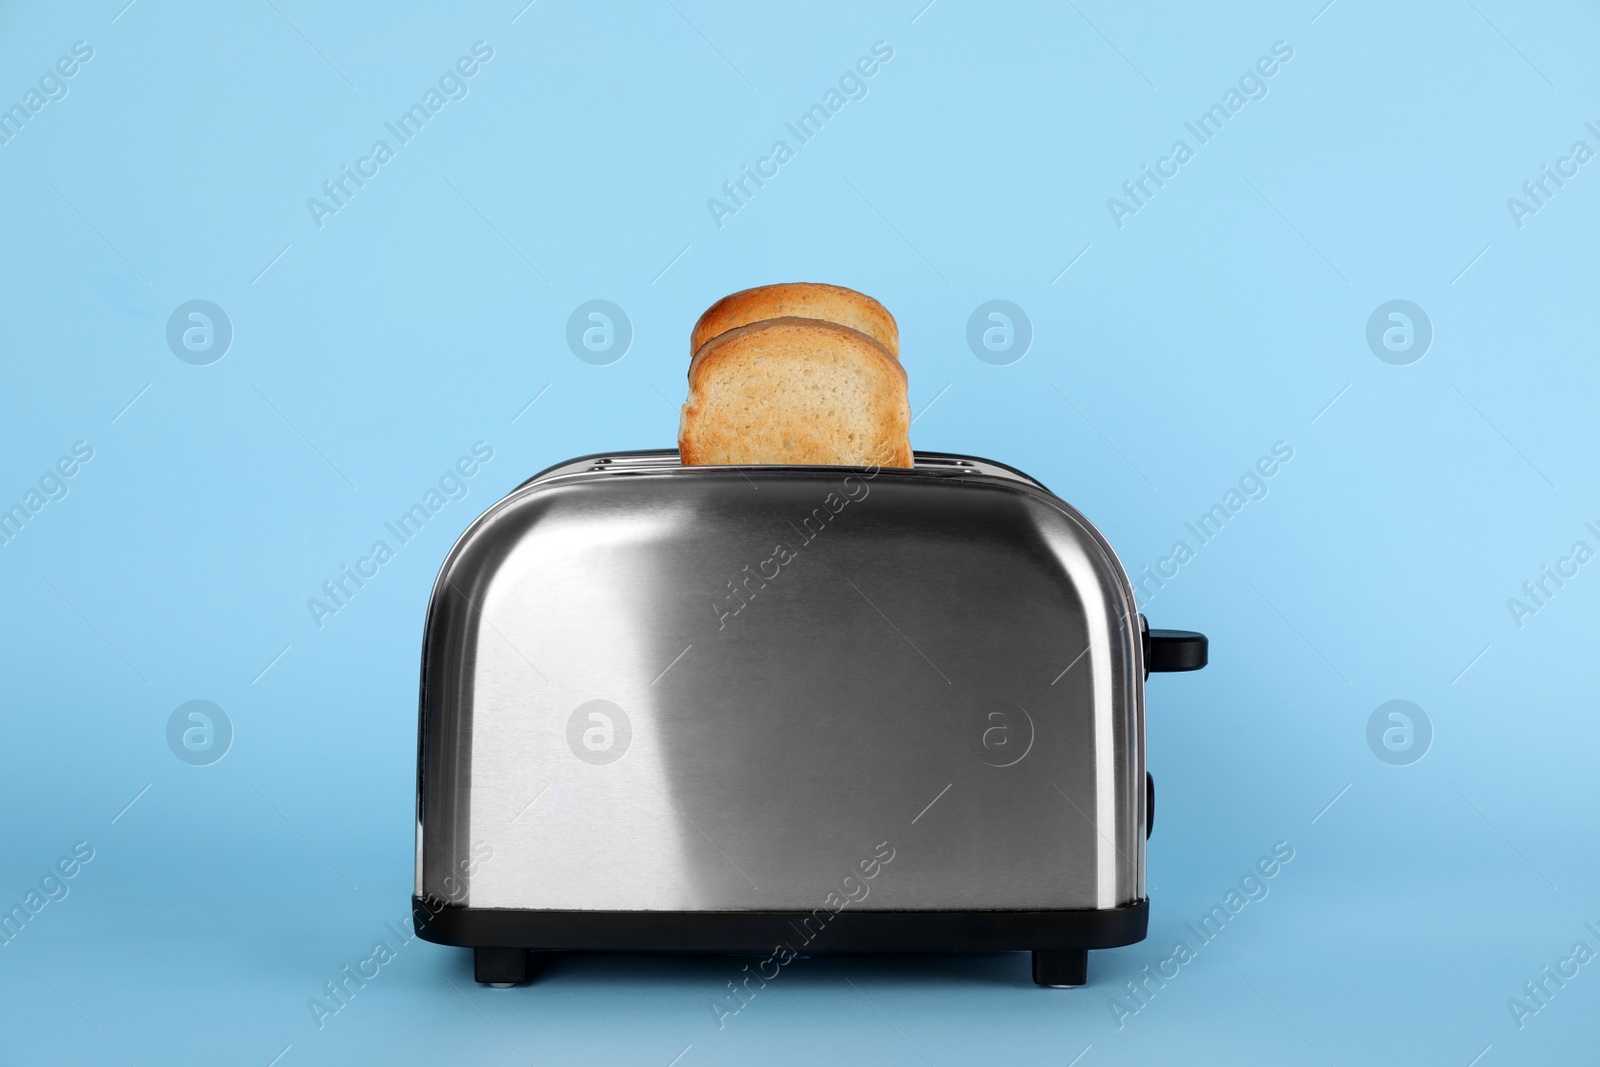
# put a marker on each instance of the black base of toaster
(503, 937)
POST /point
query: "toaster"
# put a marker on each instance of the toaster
(784, 710)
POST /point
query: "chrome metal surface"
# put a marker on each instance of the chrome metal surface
(649, 686)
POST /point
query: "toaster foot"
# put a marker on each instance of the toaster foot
(1058, 968)
(500, 967)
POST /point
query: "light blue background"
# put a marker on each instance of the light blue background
(1225, 316)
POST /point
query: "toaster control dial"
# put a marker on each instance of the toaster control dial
(1149, 804)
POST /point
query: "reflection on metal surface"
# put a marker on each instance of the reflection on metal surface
(778, 720)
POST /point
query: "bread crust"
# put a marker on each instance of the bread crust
(719, 426)
(809, 300)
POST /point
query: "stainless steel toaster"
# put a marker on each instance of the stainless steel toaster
(785, 709)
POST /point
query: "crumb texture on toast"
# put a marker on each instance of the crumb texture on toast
(796, 391)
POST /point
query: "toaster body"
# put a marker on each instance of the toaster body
(669, 708)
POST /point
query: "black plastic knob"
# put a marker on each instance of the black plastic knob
(1167, 651)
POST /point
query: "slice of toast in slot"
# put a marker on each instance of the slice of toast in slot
(806, 300)
(796, 391)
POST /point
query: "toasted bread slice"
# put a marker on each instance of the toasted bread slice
(796, 391)
(806, 300)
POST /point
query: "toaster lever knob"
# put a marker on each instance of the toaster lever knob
(1174, 650)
